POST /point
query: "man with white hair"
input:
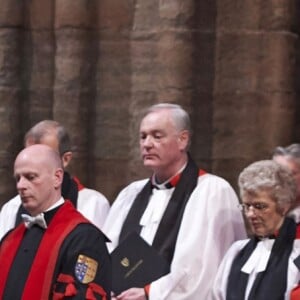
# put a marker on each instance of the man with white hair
(289, 157)
(188, 216)
(92, 204)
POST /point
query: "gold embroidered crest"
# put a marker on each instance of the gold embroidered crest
(85, 269)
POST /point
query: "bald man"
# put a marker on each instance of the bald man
(56, 252)
(92, 204)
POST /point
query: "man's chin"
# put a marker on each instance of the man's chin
(26, 203)
(26, 206)
(149, 163)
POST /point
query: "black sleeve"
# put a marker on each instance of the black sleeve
(84, 266)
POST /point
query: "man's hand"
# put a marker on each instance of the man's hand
(131, 294)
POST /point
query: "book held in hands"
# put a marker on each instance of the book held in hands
(135, 264)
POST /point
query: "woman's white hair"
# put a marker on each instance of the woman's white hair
(269, 176)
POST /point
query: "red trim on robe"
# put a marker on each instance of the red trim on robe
(202, 172)
(70, 287)
(176, 178)
(295, 293)
(38, 284)
(147, 290)
(8, 251)
(95, 289)
(92, 289)
(80, 186)
(298, 233)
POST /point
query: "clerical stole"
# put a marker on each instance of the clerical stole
(165, 238)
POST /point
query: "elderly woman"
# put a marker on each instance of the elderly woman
(267, 265)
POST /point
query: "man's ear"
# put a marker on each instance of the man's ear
(184, 137)
(66, 158)
(59, 176)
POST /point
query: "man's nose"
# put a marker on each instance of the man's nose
(148, 141)
(21, 183)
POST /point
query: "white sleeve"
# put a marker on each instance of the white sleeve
(8, 215)
(93, 205)
(210, 224)
(220, 283)
(118, 212)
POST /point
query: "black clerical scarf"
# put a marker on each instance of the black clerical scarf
(69, 191)
(166, 235)
(271, 283)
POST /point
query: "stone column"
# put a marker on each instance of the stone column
(162, 51)
(296, 29)
(110, 153)
(11, 36)
(254, 96)
(38, 52)
(74, 84)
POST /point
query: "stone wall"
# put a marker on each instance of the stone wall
(94, 65)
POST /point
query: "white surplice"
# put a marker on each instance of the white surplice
(257, 262)
(210, 224)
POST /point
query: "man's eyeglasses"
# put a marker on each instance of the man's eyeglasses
(257, 207)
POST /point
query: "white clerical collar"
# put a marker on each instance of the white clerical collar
(56, 204)
(259, 258)
(165, 183)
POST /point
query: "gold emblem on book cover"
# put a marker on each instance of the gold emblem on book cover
(125, 262)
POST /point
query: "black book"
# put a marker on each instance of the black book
(135, 264)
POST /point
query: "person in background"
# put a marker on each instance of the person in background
(55, 253)
(92, 204)
(266, 266)
(289, 157)
(189, 216)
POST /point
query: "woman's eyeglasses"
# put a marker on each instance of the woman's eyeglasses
(257, 207)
